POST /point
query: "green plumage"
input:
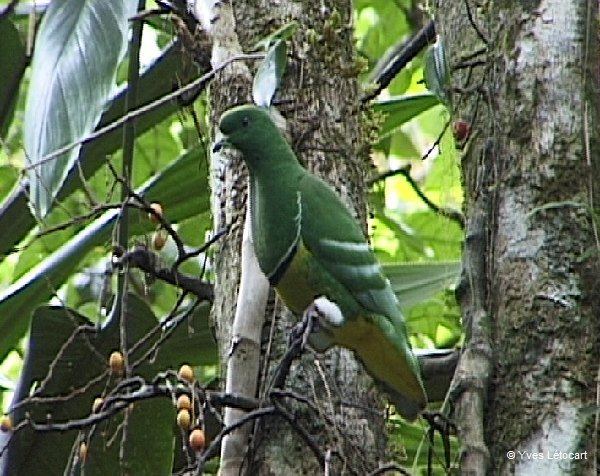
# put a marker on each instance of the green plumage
(310, 246)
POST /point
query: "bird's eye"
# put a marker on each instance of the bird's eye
(245, 121)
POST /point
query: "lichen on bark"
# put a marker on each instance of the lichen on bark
(539, 121)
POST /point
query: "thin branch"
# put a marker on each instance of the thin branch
(146, 206)
(93, 213)
(221, 399)
(399, 58)
(148, 261)
(474, 25)
(213, 449)
(389, 173)
(121, 402)
(166, 323)
(144, 109)
(8, 9)
(449, 213)
(297, 344)
(308, 439)
(389, 467)
(203, 248)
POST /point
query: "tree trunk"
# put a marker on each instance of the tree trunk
(319, 100)
(528, 378)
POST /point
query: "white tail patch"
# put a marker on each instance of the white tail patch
(329, 311)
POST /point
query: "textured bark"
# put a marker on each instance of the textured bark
(527, 380)
(319, 100)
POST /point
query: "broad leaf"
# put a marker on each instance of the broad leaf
(151, 432)
(181, 188)
(401, 109)
(157, 80)
(13, 61)
(437, 73)
(269, 74)
(417, 282)
(285, 32)
(78, 49)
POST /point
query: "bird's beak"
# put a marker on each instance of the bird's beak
(218, 145)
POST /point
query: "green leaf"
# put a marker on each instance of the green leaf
(417, 282)
(285, 32)
(13, 59)
(151, 432)
(181, 188)
(269, 74)
(401, 109)
(78, 49)
(192, 342)
(437, 73)
(157, 80)
(402, 146)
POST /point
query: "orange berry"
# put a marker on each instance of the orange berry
(116, 363)
(183, 402)
(159, 239)
(184, 419)
(6, 424)
(158, 210)
(197, 440)
(186, 373)
(97, 404)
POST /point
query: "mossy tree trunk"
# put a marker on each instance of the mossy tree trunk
(528, 378)
(320, 102)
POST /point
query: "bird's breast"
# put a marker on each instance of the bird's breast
(296, 288)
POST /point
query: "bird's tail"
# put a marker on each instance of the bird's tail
(389, 360)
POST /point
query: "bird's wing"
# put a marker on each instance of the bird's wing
(335, 239)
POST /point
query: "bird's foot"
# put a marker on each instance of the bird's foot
(302, 331)
(316, 323)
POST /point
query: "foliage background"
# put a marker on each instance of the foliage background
(420, 246)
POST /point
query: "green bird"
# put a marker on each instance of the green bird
(314, 253)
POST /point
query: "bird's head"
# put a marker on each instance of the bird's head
(251, 130)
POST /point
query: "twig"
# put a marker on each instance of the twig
(203, 248)
(144, 109)
(164, 324)
(61, 398)
(213, 448)
(146, 206)
(308, 439)
(449, 213)
(8, 9)
(146, 260)
(145, 14)
(167, 334)
(389, 173)
(131, 100)
(386, 468)
(297, 344)
(121, 402)
(399, 58)
(302, 399)
(220, 399)
(474, 25)
(96, 210)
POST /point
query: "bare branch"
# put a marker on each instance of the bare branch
(148, 261)
(402, 54)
